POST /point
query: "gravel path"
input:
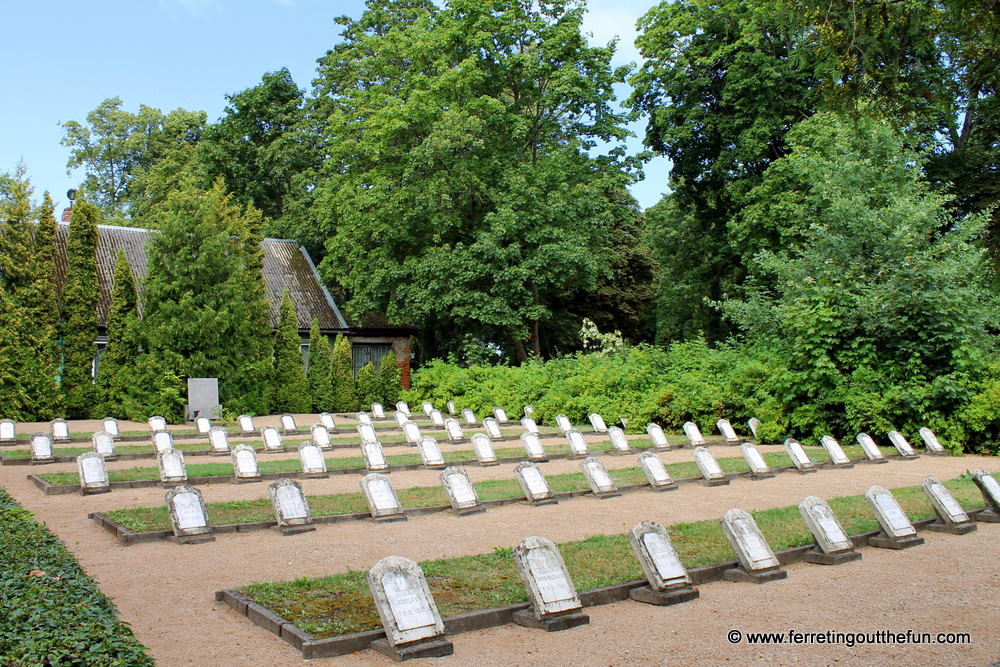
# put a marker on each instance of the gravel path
(165, 590)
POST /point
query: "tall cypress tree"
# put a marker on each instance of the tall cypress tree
(345, 395)
(114, 375)
(368, 386)
(80, 298)
(320, 372)
(291, 389)
(389, 378)
(44, 315)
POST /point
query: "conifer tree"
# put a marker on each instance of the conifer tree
(80, 298)
(367, 385)
(114, 375)
(47, 292)
(389, 378)
(291, 388)
(345, 393)
(320, 371)
(44, 315)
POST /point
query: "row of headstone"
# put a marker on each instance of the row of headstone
(58, 430)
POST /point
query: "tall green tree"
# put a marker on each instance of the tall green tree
(115, 372)
(320, 373)
(368, 386)
(345, 397)
(389, 379)
(81, 295)
(291, 388)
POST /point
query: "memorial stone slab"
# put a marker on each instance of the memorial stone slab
(400, 417)
(990, 489)
(533, 447)
(871, 450)
(835, 452)
(902, 446)
(554, 602)
(218, 439)
(668, 579)
(728, 432)
(619, 442)
(533, 484)
(365, 418)
(835, 547)
(291, 507)
(382, 500)
(104, 444)
(93, 474)
(246, 424)
(492, 429)
(378, 411)
(312, 461)
(951, 518)
(413, 626)
(562, 421)
(403, 407)
(271, 437)
(657, 437)
(658, 477)
(754, 425)
(427, 407)
(430, 452)
(758, 564)
(8, 432)
(288, 426)
(597, 422)
(798, 455)
(461, 492)
(450, 405)
(202, 425)
(203, 397)
(59, 430)
(110, 426)
(758, 466)
(528, 411)
(578, 448)
(412, 432)
(327, 420)
(483, 448)
(245, 468)
(157, 423)
(172, 469)
(321, 436)
(162, 440)
(500, 415)
(469, 416)
(188, 515)
(693, 433)
(454, 430)
(897, 531)
(931, 442)
(598, 478)
(41, 448)
(374, 457)
(711, 473)
(368, 433)
(437, 419)
(529, 425)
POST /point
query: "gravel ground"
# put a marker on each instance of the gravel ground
(165, 590)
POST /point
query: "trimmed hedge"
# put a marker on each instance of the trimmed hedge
(53, 612)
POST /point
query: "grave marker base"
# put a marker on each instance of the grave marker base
(92, 492)
(663, 598)
(936, 454)
(882, 460)
(543, 501)
(715, 482)
(435, 466)
(526, 618)
(245, 480)
(806, 471)
(605, 496)
(987, 516)
(468, 511)
(840, 466)
(488, 464)
(169, 485)
(952, 528)
(221, 454)
(390, 518)
(313, 475)
(756, 476)
(192, 539)
(883, 541)
(664, 487)
(836, 558)
(901, 457)
(618, 452)
(294, 530)
(738, 574)
(423, 649)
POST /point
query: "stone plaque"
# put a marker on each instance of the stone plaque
(709, 467)
(412, 432)
(400, 417)
(450, 405)
(365, 418)
(483, 448)
(533, 447)
(597, 476)
(656, 554)
(944, 503)
(756, 462)
(219, 440)
(311, 458)
(162, 440)
(834, 451)
(202, 424)
(577, 443)
(404, 601)
(381, 497)
(901, 444)
(290, 504)
(93, 474)
(187, 511)
(104, 444)
(754, 425)
(8, 431)
(562, 421)
(246, 424)
(203, 397)
(492, 428)
(437, 419)
(41, 447)
(931, 441)
(728, 432)
(374, 458)
(378, 411)
(272, 439)
(800, 459)
(545, 577)
(430, 452)
(454, 430)
(110, 426)
(367, 433)
(326, 419)
(321, 436)
(824, 526)
(888, 512)
(532, 482)
(597, 421)
(618, 440)
(245, 462)
(427, 407)
(500, 415)
(871, 450)
(469, 416)
(157, 424)
(990, 489)
(749, 544)
(403, 407)
(657, 437)
(59, 430)
(461, 492)
(172, 468)
(693, 434)
(288, 424)
(529, 425)
(656, 474)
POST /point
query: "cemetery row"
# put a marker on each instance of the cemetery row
(413, 627)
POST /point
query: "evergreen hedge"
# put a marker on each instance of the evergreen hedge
(80, 297)
(291, 389)
(320, 373)
(345, 398)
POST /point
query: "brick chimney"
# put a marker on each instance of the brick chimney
(67, 213)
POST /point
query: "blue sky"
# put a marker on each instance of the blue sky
(63, 59)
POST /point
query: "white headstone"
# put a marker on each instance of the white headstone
(326, 419)
(871, 450)
(450, 405)
(657, 437)
(162, 440)
(187, 511)
(747, 541)
(271, 438)
(202, 424)
(427, 407)
(533, 447)
(597, 476)
(597, 421)
(889, 514)
(562, 421)
(483, 448)
(290, 505)
(709, 467)
(404, 601)
(528, 411)
(834, 451)
(110, 426)
(93, 474)
(288, 424)
(382, 500)
(798, 455)
(656, 474)
(529, 425)
(577, 443)
(321, 436)
(400, 417)
(756, 462)
(469, 416)
(945, 505)
(104, 444)
(157, 423)
(378, 411)
(374, 458)
(901, 444)
(500, 415)
(412, 432)
(693, 434)
(727, 431)
(246, 424)
(824, 526)
(545, 577)
(404, 408)
(930, 441)
(990, 489)
(437, 419)
(656, 554)
(461, 492)
(245, 462)
(754, 425)
(618, 440)
(492, 428)
(364, 418)
(430, 452)
(60, 430)
(171, 464)
(218, 439)
(367, 433)
(311, 458)
(532, 482)
(454, 430)
(8, 431)
(41, 447)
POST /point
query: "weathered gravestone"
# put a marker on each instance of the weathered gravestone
(218, 439)
(711, 473)
(461, 492)
(188, 515)
(528, 411)
(104, 444)
(110, 426)
(321, 436)
(454, 430)
(619, 443)
(554, 602)
(798, 455)
(500, 415)
(669, 582)
(59, 430)
(365, 418)
(412, 432)
(41, 448)
(483, 448)
(288, 426)
(657, 437)
(758, 466)
(157, 423)
(403, 407)
(492, 429)
(754, 425)
(693, 433)
(8, 432)
(245, 468)
(246, 424)
(836, 453)
(413, 626)
(835, 547)
(758, 564)
(533, 447)
(427, 407)
(430, 453)
(530, 426)
(897, 531)
(202, 425)
(951, 518)
(172, 468)
(902, 446)
(374, 457)
(931, 442)
(327, 420)
(271, 438)
(871, 450)
(162, 440)
(658, 477)
(368, 433)
(290, 507)
(383, 504)
(450, 405)
(469, 416)
(990, 489)
(598, 479)
(562, 421)
(378, 411)
(728, 432)
(577, 444)
(533, 484)
(437, 419)
(203, 398)
(400, 417)
(597, 422)
(312, 461)
(93, 474)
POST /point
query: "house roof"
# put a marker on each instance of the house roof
(286, 266)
